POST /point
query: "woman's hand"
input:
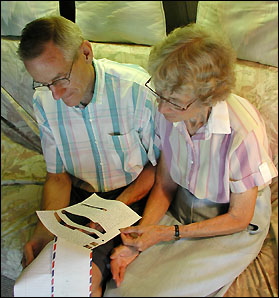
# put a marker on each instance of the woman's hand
(121, 257)
(142, 237)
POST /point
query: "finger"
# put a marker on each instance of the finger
(121, 275)
(28, 255)
(23, 262)
(129, 229)
(113, 269)
(135, 243)
(129, 241)
(132, 235)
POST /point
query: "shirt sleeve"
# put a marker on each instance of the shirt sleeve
(250, 163)
(149, 137)
(51, 154)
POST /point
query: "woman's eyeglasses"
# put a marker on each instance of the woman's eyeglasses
(172, 104)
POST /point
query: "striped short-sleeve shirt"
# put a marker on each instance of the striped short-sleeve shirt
(107, 143)
(230, 153)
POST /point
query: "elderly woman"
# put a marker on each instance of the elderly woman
(216, 164)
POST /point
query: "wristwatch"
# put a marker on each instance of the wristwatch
(176, 232)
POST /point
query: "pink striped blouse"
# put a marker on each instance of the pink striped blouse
(230, 153)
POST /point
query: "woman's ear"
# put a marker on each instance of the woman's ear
(86, 51)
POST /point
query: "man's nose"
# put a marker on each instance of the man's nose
(57, 92)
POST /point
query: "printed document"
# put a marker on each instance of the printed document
(106, 217)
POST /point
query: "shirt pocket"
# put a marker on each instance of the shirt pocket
(126, 151)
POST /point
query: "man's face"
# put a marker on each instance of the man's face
(51, 65)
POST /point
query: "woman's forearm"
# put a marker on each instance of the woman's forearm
(161, 195)
(235, 220)
(157, 205)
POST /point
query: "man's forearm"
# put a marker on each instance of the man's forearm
(56, 195)
(140, 187)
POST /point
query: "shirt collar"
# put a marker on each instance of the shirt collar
(219, 120)
(175, 124)
(99, 82)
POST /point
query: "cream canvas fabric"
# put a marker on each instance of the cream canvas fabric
(140, 22)
(16, 14)
(251, 27)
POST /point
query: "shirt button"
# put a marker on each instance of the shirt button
(192, 162)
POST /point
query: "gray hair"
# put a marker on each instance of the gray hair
(192, 61)
(65, 34)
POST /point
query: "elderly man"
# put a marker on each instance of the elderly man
(96, 121)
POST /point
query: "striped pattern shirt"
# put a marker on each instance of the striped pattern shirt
(107, 143)
(230, 153)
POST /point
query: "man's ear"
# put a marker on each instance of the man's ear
(86, 51)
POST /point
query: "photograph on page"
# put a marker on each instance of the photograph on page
(90, 223)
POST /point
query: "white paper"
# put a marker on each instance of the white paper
(71, 258)
(71, 270)
(110, 214)
(35, 280)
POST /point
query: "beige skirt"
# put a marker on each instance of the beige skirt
(195, 267)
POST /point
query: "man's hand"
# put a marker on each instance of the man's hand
(121, 257)
(56, 195)
(34, 246)
(30, 252)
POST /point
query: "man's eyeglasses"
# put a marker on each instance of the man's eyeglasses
(63, 82)
(173, 105)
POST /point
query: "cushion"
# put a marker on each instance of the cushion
(16, 14)
(251, 26)
(140, 22)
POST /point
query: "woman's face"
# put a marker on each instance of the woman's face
(178, 107)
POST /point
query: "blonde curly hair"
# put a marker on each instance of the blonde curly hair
(191, 61)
